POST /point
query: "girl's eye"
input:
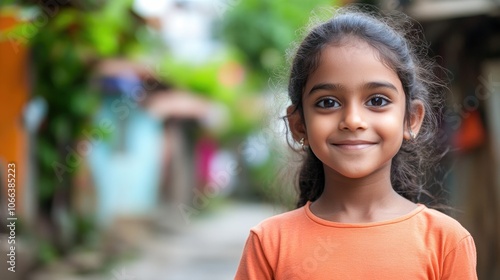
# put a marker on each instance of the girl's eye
(328, 103)
(378, 101)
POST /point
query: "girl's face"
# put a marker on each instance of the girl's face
(354, 110)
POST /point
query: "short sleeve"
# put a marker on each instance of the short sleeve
(254, 264)
(460, 263)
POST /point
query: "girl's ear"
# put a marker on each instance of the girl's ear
(417, 112)
(296, 123)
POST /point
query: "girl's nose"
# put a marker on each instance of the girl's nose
(352, 119)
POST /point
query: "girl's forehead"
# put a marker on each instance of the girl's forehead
(351, 54)
(351, 64)
(351, 46)
(350, 40)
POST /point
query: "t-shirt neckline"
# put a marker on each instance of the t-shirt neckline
(324, 222)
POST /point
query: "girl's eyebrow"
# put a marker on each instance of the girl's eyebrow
(380, 84)
(326, 86)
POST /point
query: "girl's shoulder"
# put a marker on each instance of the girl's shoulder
(441, 224)
(284, 221)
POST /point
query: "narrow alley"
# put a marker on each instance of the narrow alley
(207, 248)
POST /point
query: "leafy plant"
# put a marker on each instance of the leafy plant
(263, 30)
(64, 49)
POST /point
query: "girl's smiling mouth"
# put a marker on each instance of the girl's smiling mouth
(353, 144)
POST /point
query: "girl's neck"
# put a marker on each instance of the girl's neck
(366, 199)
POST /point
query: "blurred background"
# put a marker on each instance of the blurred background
(146, 136)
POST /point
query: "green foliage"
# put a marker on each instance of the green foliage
(47, 253)
(263, 30)
(63, 52)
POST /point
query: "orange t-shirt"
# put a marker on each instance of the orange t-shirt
(423, 244)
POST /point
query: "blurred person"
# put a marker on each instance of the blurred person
(364, 111)
(125, 163)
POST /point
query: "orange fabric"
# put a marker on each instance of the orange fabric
(13, 97)
(424, 244)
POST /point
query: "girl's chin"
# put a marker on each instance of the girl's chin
(354, 172)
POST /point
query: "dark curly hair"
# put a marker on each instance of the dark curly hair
(402, 48)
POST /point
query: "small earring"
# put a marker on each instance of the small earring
(412, 135)
(301, 142)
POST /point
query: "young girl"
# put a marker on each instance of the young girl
(364, 111)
